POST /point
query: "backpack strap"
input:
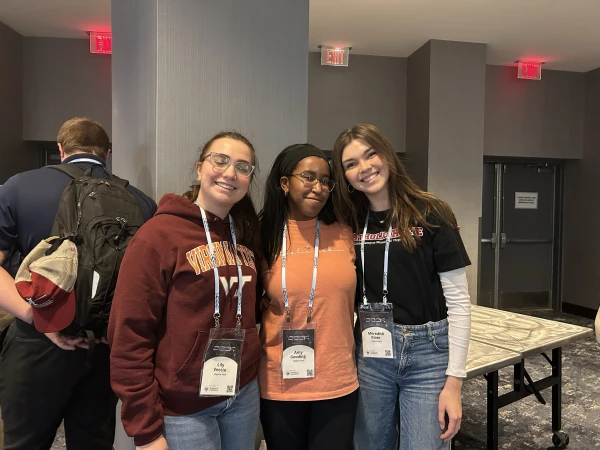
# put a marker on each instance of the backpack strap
(76, 172)
(116, 180)
(69, 169)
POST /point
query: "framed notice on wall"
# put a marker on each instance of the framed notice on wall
(526, 200)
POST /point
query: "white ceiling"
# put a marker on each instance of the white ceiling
(56, 18)
(563, 33)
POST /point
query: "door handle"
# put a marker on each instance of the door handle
(494, 240)
(529, 241)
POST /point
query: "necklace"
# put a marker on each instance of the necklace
(304, 248)
(379, 219)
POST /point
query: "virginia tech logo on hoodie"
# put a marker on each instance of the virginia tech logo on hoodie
(199, 257)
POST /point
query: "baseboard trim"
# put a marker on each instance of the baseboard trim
(578, 310)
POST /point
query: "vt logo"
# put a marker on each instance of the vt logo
(233, 281)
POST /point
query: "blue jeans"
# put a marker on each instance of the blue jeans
(229, 425)
(401, 394)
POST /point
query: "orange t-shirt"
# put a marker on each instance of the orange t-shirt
(332, 317)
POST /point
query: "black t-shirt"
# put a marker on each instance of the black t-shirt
(414, 286)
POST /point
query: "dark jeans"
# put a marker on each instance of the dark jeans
(41, 385)
(309, 425)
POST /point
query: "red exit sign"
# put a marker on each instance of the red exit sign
(529, 70)
(101, 43)
(334, 56)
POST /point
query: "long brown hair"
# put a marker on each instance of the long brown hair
(409, 204)
(245, 219)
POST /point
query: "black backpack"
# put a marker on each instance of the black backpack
(100, 216)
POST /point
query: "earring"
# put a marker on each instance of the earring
(285, 193)
(351, 189)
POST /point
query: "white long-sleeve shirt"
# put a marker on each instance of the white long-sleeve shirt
(458, 302)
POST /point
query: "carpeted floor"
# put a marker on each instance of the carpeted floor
(526, 425)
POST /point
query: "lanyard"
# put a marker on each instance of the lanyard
(87, 160)
(314, 276)
(385, 261)
(213, 260)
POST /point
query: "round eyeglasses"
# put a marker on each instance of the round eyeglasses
(310, 180)
(222, 162)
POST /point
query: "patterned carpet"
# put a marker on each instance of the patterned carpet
(526, 424)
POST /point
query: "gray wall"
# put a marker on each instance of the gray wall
(371, 89)
(522, 118)
(61, 80)
(11, 103)
(417, 119)
(581, 246)
(134, 107)
(534, 118)
(542, 119)
(455, 141)
(134, 93)
(253, 79)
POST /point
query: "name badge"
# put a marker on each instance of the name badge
(298, 359)
(222, 363)
(377, 327)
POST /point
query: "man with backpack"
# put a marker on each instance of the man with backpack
(54, 364)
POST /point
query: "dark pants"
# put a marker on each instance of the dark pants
(309, 425)
(41, 385)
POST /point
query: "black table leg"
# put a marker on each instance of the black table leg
(492, 410)
(557, 389)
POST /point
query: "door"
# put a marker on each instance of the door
(518, 246)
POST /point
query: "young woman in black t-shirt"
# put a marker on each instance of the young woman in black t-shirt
(414, 309)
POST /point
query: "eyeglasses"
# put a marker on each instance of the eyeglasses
(222, 162)
(311, 180)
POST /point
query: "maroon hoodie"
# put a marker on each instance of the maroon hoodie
(162, 313)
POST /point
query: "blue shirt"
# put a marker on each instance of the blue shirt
(29, 201)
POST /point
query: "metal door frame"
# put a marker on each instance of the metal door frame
(499, 240)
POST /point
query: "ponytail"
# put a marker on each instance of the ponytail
(192, 194)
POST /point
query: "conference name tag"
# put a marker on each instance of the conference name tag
(377, 333)
(222, 363)
(298, 359)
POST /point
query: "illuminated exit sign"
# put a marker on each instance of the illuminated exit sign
(334, 56)
(529, 70)
(101, 43)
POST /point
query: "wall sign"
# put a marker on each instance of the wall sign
(334, 56)
(529, 70)
(526, 200)
(101, 43)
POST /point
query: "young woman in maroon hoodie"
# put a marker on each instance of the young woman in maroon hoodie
(177, 333)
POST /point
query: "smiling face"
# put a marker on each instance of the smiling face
(306, 199)
(221, 188)
(366, 171)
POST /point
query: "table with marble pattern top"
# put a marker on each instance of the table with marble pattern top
(502, 338)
